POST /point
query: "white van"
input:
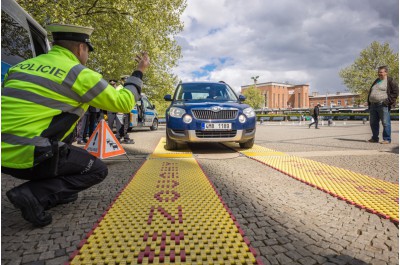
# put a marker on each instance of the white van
(21, 36)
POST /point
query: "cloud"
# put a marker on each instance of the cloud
(296, 41)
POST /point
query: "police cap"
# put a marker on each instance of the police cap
(71, 32)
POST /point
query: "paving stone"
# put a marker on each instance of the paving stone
(279, 249)
(39, 262)
(57, 261)
(267, 251)
(271, 242)
(59, 252)
(47, 255)
(307, 261)
(30, 258)
(314, 249)
(283, 259)
(336, 247)
(294, 255)
(378, 262)
(257, 244)
(303, 252)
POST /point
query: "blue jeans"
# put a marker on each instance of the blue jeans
(379, 112)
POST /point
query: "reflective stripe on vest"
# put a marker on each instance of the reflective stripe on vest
(19, 140)
(47, 83)
(41, 100)
(95, 91)
(73, 75)
(67, 83)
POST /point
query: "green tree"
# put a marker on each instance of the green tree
(359, 76)
(123, 28)
(254, 97)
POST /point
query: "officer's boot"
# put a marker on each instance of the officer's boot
(32, 211)
(128, 141)
(54, 201)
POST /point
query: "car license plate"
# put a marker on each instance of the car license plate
(216, 126)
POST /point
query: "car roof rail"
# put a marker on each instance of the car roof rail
(222, 82)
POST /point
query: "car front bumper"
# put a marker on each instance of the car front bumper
(195, 136)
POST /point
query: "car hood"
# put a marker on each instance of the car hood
(209, 104)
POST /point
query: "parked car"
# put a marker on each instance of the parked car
(208, 112)
(144, 114)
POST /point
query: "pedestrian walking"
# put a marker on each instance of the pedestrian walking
(382, 97)
(315, 114)
(57, 89)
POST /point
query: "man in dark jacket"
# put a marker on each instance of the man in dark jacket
(315, 116)
(381, 98)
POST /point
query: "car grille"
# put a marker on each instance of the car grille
(211, 115)
(215, 134)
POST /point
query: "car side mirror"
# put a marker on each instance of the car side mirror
(167, 98)
(242, 98)
(154, 106)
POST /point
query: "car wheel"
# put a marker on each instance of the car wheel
(154, 127)
(171, 144)
(248, 144)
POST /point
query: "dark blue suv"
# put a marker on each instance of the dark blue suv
(208, 112)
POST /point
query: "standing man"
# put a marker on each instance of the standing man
(57, 89)
(315, 115)
(81, 128)
(112, 116)
(382, 96)
(123, 132)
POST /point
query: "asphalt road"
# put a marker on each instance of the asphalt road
(286, 221)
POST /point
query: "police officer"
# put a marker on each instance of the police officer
(55, 90)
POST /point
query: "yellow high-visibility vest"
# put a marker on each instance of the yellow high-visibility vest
(42, 99)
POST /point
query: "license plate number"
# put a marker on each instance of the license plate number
(216, 126)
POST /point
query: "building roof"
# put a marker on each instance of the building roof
(270, 83)
(341, 94)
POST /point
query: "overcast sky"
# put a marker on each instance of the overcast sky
(301, 42)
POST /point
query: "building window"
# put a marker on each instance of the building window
(346, 102)
(339, 102)
(299, 100)
(279, 100)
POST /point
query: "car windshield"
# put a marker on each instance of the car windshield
(205, 91)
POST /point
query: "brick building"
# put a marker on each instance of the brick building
(284, 95)
(340, 99)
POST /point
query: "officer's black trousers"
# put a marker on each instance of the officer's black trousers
(77, 171)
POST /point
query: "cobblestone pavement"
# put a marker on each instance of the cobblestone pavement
(286, 221)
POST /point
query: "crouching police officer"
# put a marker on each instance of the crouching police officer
(54, 90)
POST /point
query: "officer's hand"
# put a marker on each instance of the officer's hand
(144, 61)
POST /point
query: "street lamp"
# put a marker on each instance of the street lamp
(255, 78)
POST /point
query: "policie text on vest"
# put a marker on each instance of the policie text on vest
(57, 72)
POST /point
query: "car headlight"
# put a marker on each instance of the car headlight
(242, 118)
(249, 112)
(176, 112)
(187, 119)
